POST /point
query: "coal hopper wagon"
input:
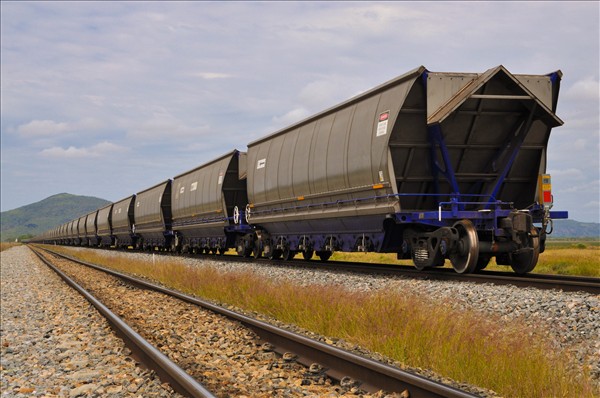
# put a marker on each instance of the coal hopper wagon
(206, 203)
(431, 166)
(122, 223)
(152, 217)
(103, 226)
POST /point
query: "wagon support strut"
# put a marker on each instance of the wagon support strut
(507, 156)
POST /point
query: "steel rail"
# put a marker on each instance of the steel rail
(141, 349)
(541, 281)
(372, 375)
(567, 283)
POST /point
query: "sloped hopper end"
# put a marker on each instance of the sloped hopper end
(483, 136)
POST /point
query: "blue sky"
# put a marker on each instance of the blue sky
(107, 99)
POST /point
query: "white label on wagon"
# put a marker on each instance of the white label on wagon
(261, 164)
(382, 124)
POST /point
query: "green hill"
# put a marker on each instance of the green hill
(33, 219)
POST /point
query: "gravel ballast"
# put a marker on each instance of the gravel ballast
(55, 344)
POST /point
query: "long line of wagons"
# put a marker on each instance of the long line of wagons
(431, 166)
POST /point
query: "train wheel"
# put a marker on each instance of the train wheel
(275, 254)
(464, 257)
(526, 260)
(288, 254)
(222, 251)
(257, 252)
(308, 254)
(324, 255)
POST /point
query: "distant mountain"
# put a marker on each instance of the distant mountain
(575, 229)
(46, 214)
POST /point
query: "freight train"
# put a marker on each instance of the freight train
(430, 166)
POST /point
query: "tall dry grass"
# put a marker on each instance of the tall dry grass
(580, 258)
(7, 245)
(413, 329)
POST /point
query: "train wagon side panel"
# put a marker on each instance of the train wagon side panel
(332, 165)
(152, 215)
(122, 222)
(204, 200)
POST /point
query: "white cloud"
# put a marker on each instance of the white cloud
(162, 126)
(571, 174)
(585, 187)
(580, 144)
(594, 204)
(326, 92)
(43, 128)
(97, 100)
(587, 89)
(212, 75)
(291, 117)
(101, 149)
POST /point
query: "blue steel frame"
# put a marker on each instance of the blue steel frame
(487, 219)
(447, 213)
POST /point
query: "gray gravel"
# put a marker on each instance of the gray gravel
(55, 344)
(226, 357)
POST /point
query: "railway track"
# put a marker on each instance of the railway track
(141, 349)
(539, 281)
(338, 364)
(566, 283)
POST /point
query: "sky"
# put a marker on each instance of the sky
(107, 99)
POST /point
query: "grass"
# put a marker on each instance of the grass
(406, 326)
(7, 245)
(564, 257)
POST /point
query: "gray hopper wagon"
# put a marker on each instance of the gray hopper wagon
(152, 216)
(91, 229)
(103, 224)
(122, 223)
(204, 201)
(430, 166)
